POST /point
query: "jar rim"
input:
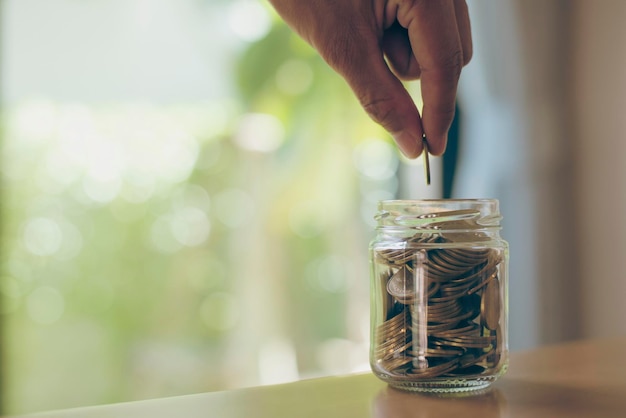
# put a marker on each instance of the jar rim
(439, 214)
(455, 200)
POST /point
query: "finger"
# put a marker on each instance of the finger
(388, 103)
(379, 91)
(465, 30)
(397, 49)
(437, 47)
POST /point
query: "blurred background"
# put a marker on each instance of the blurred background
(188, 190)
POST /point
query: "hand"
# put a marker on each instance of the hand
(428, 40)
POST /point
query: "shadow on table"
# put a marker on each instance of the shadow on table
(509, 398)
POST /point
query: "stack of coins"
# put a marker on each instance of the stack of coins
(442, 309)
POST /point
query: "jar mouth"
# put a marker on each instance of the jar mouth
(440, 214)
(438, 201)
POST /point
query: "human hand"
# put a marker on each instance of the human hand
(428, 40)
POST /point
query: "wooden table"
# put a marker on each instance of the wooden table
(581, 379)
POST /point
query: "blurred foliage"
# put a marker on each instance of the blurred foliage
(153, 250)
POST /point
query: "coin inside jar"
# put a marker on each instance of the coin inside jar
(400, 285)
(490, 305)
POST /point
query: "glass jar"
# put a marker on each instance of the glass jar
(439, 297)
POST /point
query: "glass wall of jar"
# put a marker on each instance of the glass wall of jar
(439, 297)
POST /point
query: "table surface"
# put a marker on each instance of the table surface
(580, 379)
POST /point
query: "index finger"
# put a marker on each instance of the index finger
(436, 43)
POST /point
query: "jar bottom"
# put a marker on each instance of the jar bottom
(450, 386)
(444, 385)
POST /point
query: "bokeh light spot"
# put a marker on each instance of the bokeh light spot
(42, 236)
(101, 190)
(137, 187)
(278, 362)
(234, 207)
(340, 356)
(190, 226)
(177, 156)
(72, 242)
(192, 195)
(376, 159)
(45, 305)
(328, 274)
(249, 20)
(162, 237)
(259, 132)
(35, 120)
(294, 77)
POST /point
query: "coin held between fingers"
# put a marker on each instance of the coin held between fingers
(426, 160)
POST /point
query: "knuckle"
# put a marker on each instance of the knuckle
(381, 110)
(336, 53)
(445, 112)
(467, 56)
(342, 49)
(448, 68)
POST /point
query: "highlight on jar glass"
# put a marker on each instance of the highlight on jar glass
(439, 297)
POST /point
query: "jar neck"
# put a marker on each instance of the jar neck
(467, 217)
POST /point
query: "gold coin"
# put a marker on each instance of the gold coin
(439, 352)
(467, 360)
(426, 160)
(467, 371)
(473, 251)
(390, 335)
(401, 284)
(452, 260)
(396, 363)
(490, 305)
(434, 371)
(393, 352)
(391, 332)
(391, 328)
(463, 329)
(482, 283)
(452, 313)
(394, 256)
(463, 341)
(441, 327)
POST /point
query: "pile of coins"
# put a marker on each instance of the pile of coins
(442, 307)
